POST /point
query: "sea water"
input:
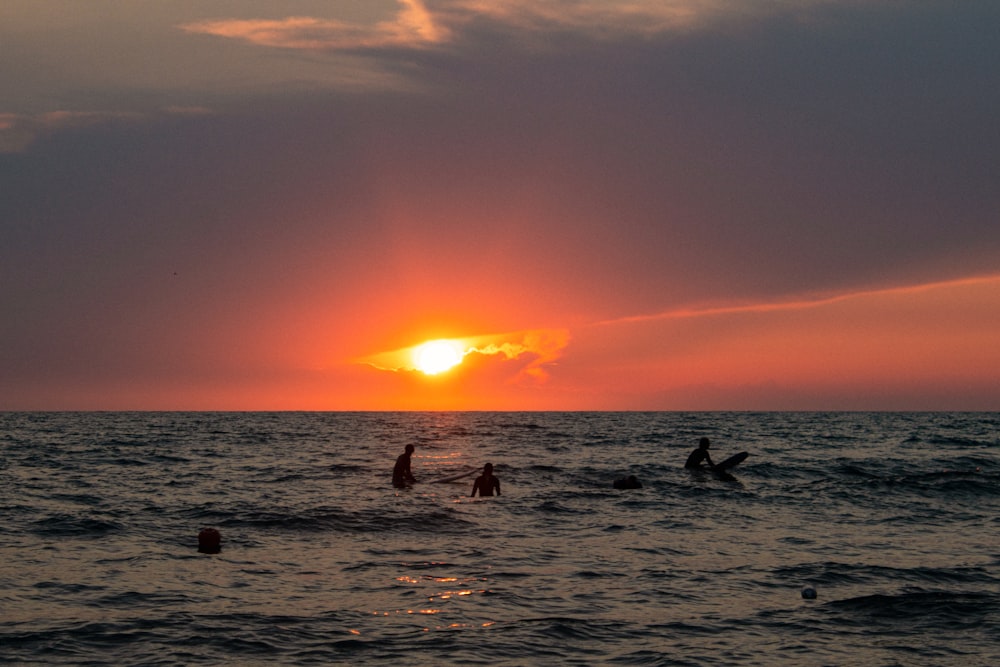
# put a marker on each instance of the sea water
(893, 520)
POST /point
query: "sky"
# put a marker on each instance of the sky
(600, 204)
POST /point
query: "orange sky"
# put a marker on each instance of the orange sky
(933, 347)
(613, 205)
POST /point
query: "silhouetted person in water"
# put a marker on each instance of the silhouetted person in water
(699, 455)
(486, 483)
(401, 475)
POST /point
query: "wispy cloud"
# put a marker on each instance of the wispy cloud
(413, 27)
(19, 131)
(600, 16)
(637, 15)
(801, 304)
(418, 25)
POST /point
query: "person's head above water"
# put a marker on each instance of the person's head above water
(704, 443)
(409, 449)
(488, 468)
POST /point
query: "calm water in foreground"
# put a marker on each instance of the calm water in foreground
(894, 520)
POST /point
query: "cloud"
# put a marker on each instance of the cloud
(413, 27)
(802, 304)
(19, 131)
(420, 24)
(597, 17)
(537, 349)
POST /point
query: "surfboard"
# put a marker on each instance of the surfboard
(731, 461)
(456, 476)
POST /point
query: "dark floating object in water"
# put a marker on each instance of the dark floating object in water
(808, 593)
(629, 482)
(209, 541)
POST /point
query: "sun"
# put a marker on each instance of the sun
(437, 356)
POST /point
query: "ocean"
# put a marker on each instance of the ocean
(893, 519)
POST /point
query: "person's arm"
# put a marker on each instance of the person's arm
(496, 483)
(475, 485)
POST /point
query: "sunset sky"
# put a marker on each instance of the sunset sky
(602, 204)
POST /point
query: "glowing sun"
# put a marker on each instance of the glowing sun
(437, 356)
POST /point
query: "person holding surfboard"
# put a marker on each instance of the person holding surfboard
(486, 483)
(699, 455)
(401, 474)
(696, 457)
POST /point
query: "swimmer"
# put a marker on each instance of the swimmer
(486, 483)
(401, 475)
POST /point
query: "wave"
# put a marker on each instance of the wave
(965, 481)
(831, 573)
(66, 525)
(183, 639)
(345, 521)
(918, 609)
